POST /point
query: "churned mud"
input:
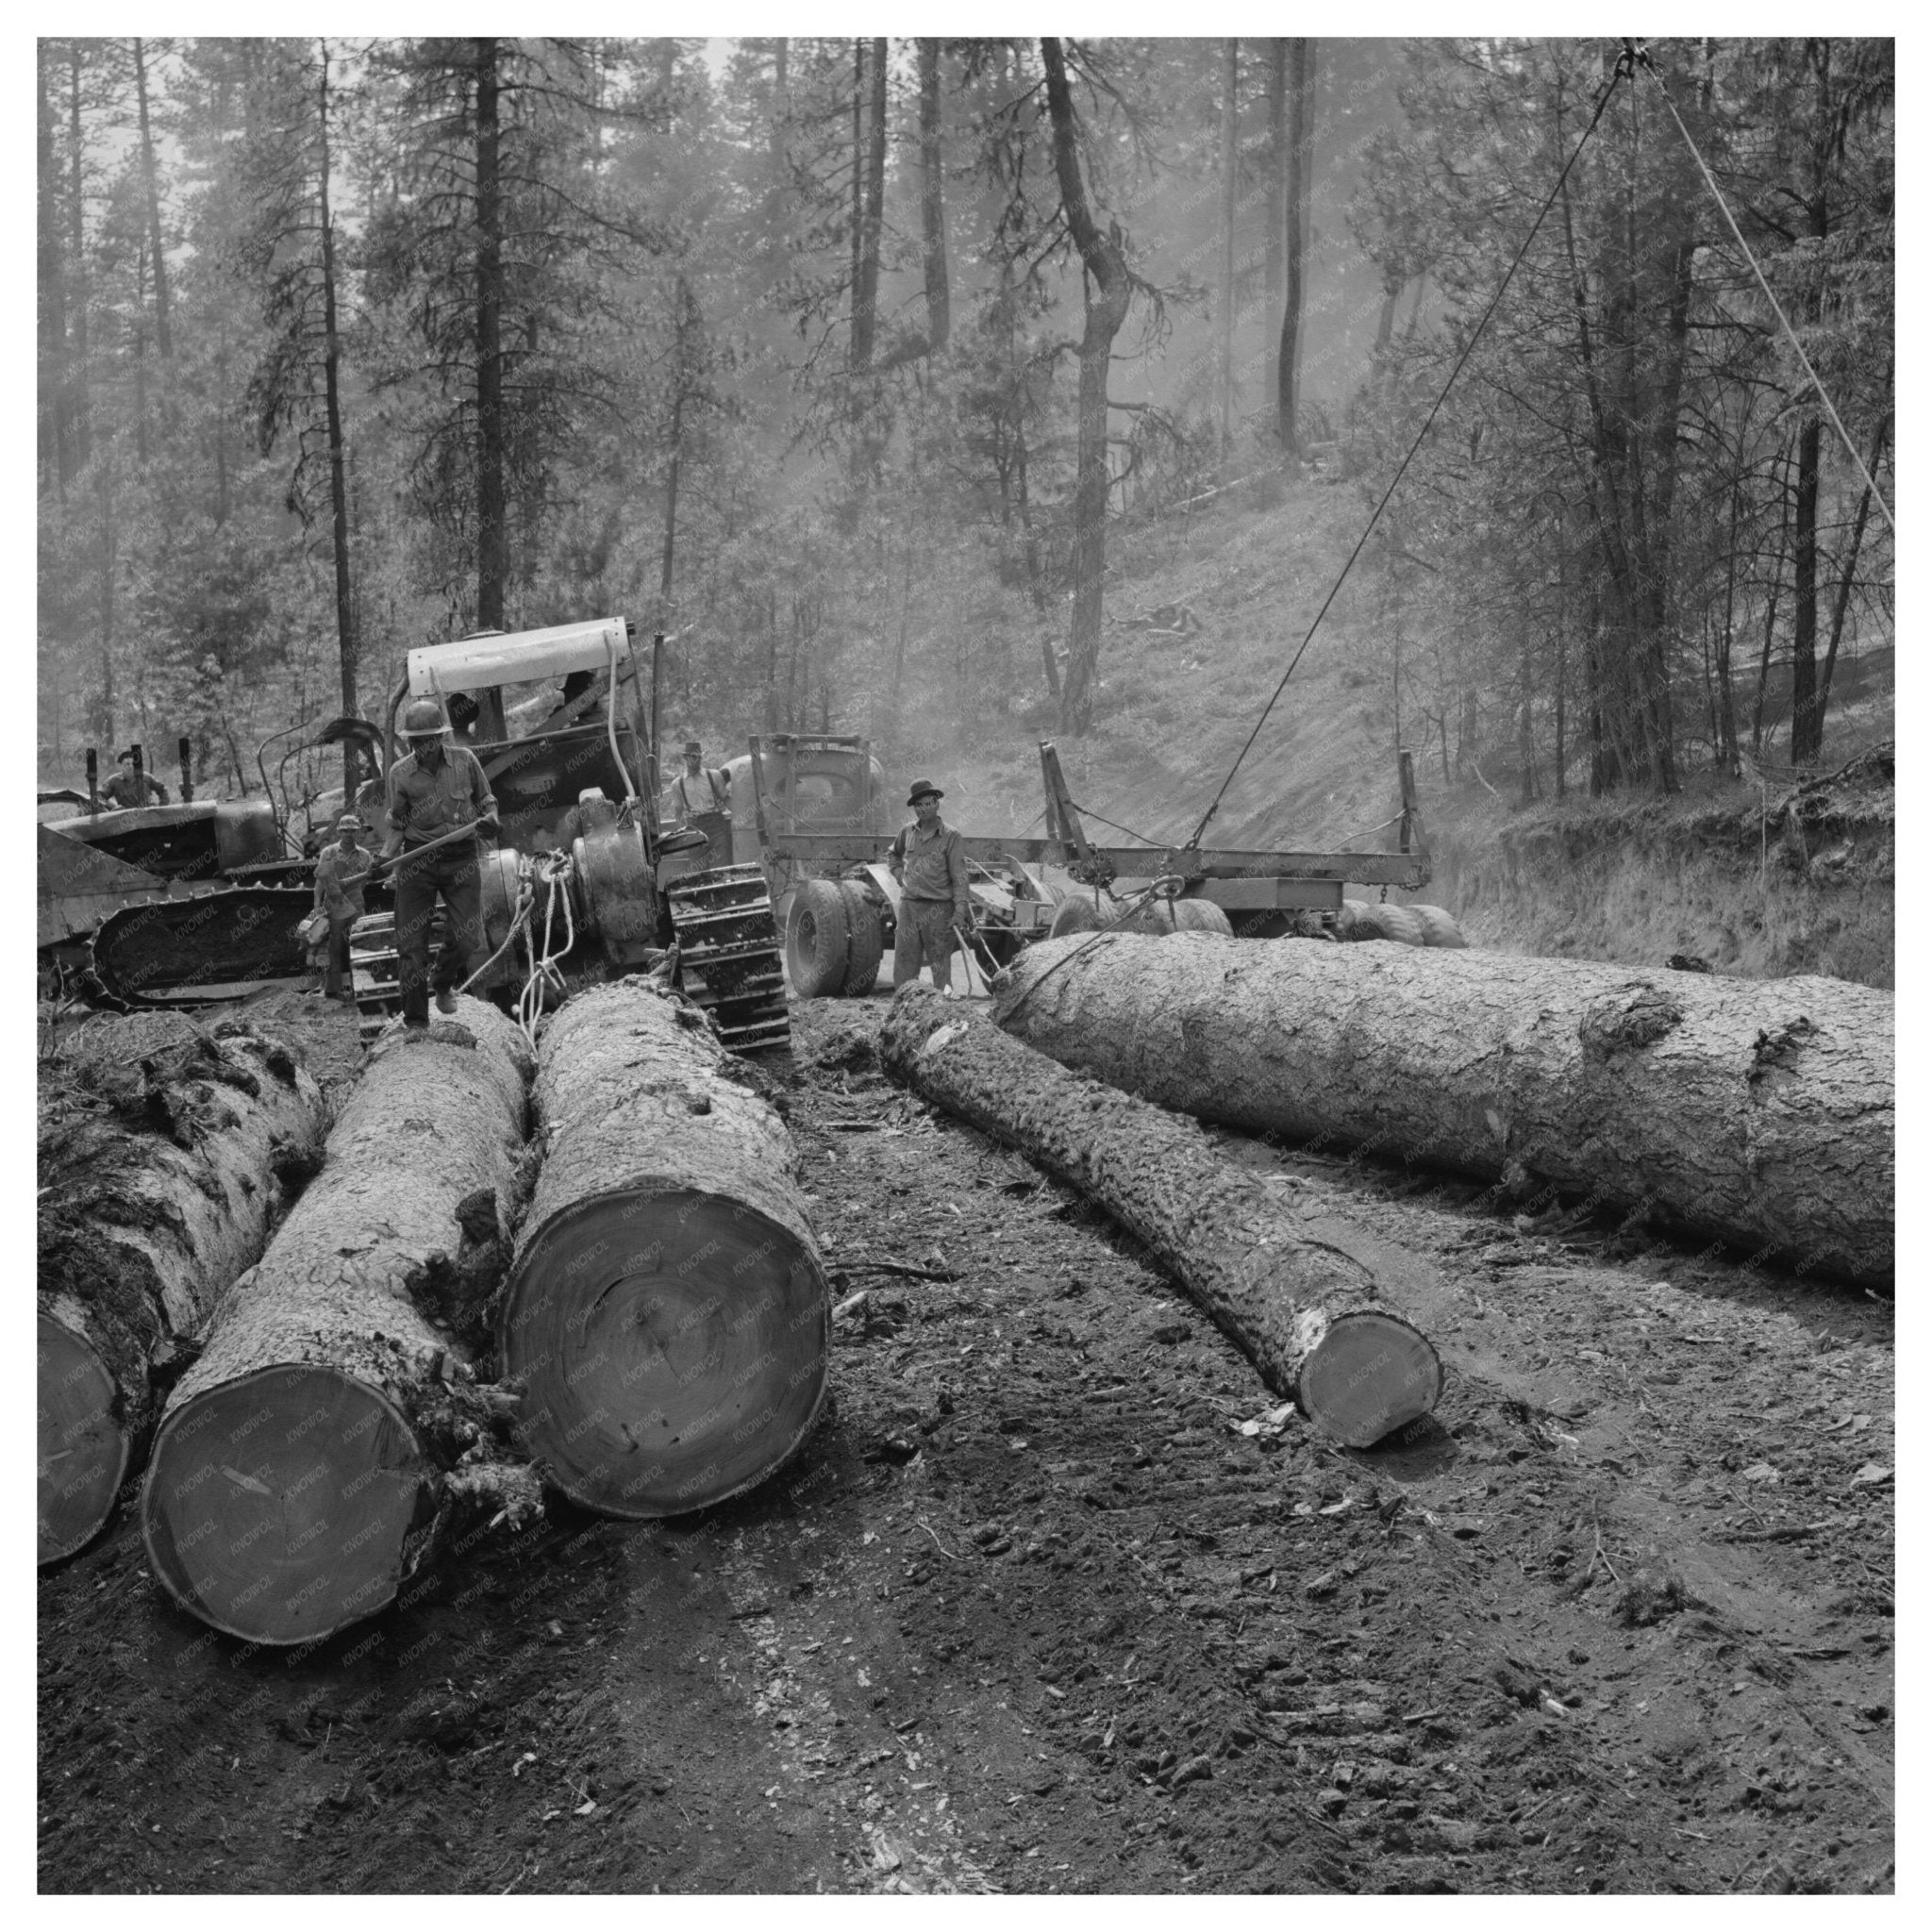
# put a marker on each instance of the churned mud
(1057, 1598)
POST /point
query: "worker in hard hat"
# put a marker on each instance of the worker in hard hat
(437, 791)
(341, 869)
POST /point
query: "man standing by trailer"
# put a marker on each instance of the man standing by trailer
(437, 791)
(927, 860)
(701, 797)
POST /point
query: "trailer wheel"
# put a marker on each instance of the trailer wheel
(1439, 927)
(866, 940)
(817, 938)
(1394, 923)
(1200, 915)
(1074, 913)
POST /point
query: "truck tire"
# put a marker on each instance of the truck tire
(1439, 927)
(1074, 913)
(1201, 915)
(817, 940)
(865, 941)
(1397, 924)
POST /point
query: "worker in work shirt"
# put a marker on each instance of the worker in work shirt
(436, 790)
(702, 797)
(930, 865)
(339, 872)
(121, 791)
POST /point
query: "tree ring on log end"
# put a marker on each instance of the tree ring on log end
(82, 1446)
(1368, 1374)
(673, 1347)
(285, 1504)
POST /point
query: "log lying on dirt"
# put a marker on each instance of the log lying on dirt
(159, 1177)
(667, 1310)
(1306, 1315)
(1757, 1112)
(297, 1476)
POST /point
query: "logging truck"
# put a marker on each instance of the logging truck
(818, 824)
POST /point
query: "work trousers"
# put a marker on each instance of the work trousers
(716, 826)
(454, 874)
(339, 975)
(925, 938)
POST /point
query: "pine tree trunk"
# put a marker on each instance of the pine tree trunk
(1108, 292)
(492, 529)
(1229, 160)
(1307, 1316)
(148, 1209)
(76, 250)
(1754, 1112)
(932, 203)
(1288, 356)
(667, 1312)
(151, 190)
(298, 1478)
(1276, 201)
(338, 454)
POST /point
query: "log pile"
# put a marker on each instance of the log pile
(298, 1474)
(667, 1312)
(154, 1195)
(1756, 1112)
(1307, 1316)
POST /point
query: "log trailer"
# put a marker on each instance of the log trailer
(826, 868)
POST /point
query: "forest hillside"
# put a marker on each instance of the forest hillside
(963, 391)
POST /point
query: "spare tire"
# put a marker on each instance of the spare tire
(1074, 913)
(817, 940)
(1439, 927)
(1201, 915)
(865, 941)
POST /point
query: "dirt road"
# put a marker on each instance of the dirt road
(1057, 1600)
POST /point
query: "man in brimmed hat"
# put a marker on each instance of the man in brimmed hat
(438, 791)
(927, 861)
(121, 791)
(701, 798)
(341, 869)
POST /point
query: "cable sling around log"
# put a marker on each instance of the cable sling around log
(1309, 1318)
(667, 1312)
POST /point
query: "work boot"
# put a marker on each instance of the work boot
(446, 1001)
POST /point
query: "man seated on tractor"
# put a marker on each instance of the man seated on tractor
(930, 865)
(340, 871)
(121, 792)
(440, 803)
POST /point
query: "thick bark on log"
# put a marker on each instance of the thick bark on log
(667, 1312)
(1304, 1313)
(150, 1204)
(1758, 1112)
(297, 1476)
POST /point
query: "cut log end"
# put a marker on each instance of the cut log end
(673, 1345)
(285, 1504)
(1368, 1376)
(83, 1443)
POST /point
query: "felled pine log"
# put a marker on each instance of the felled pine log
(1307, 1316)
(1754, 1112)
(299, 1474)
(667, 1312)
(162, 1169)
